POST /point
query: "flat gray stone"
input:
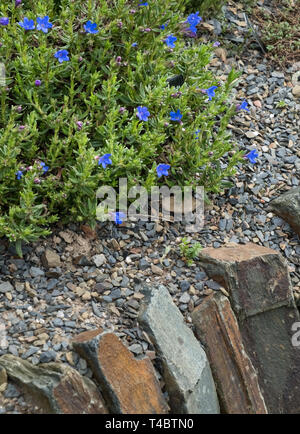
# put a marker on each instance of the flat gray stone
(99, 260)
(287, 206)
(186, 370)
(6, 287)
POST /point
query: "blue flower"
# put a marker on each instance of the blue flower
(163, 26)
(170, 41)
(211, 92)
(162, 169)
(62, 55)
(90, 27)
(193, 20)
(43, 24)
(19, 174)
(44, 167)
(105, 160)
(134, 44)
(27, 24)
(118, 216)
(243, 106)
(4, 21)
(143, 4)
(252, 156)
(176, 116)
(216, 44)
(193, 29)
(197, 133)
(142, 113)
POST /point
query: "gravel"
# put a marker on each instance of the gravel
(96, 282)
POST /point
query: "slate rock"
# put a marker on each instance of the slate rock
(287, 206)
(260, 292)
(186, 370)
(50, 259)
(6, 287)
(129, 385)
(55, 387)
(236, 379)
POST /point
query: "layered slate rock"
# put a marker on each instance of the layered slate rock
(186, 370)
(287, 206)
(55, 387)
(129, 386)
(235, 377)
(259, 285)
(50, 259)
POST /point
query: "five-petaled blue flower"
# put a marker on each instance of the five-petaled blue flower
(170, 41)
(105, 160)
(90, 27)
(211, 92)
(44, 167)
(118, 217)
(193, 20)
(27, 24)
(243, 106)
(19, 174)
(43, 24)
(252, 156)
(163, 26)
(142, 113)
(175, 116)
(162, 169)
(62, 55)
(4, 21)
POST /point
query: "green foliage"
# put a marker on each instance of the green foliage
(281, 104)
(189, 251)
(40, 123)
(207, 8)
(280, 29)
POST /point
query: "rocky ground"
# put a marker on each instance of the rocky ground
(78, 280)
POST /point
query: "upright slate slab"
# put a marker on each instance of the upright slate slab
(235, 377)
(259, 286)
(186, 370)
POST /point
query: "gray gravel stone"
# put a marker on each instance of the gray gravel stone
(184, 285)
(143, 264)
(11, 391)
(47, 356)
(6, 287)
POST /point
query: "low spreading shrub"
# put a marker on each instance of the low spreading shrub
(88, 100)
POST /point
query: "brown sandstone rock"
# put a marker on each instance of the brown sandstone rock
(234, 375)
(129, 386)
